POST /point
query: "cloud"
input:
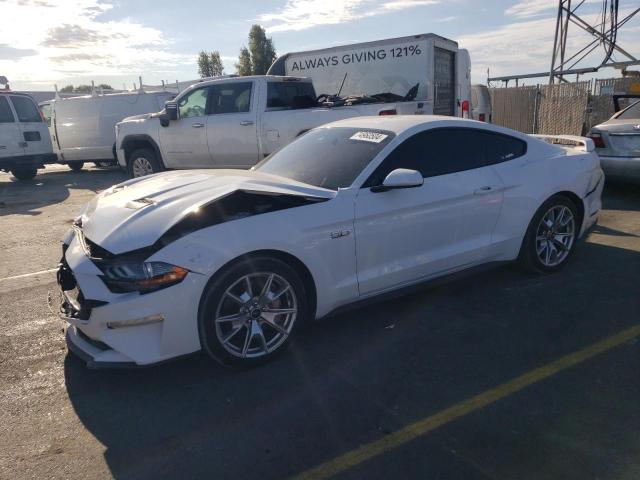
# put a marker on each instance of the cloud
(530, 8)
(303, 14)
(74, 36)
(11, 53)
(525, 46)
(67, 37)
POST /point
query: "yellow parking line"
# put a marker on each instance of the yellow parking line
(421, 427)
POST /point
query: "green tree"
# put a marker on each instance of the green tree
(67, 89)
(83, 89)
(261, 48)
(261, 53)
(203, 64)
(105, 86)
(244, 67)
(210, 64)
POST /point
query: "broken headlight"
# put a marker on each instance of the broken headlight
(143, 277)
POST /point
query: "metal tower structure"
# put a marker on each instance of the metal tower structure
(604, 32)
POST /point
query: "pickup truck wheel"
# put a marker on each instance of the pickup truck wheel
(76, 166)
(143, 162)
(25, 173)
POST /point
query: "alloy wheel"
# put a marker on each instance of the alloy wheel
(141, 167)
(255, 315)
(555, 235)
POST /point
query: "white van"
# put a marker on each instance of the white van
(480, 103)
(25, 145)
(83, 128)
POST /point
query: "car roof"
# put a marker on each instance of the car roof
(400, 123)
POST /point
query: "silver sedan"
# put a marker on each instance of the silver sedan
(617, 143)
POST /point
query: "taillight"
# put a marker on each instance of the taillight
(391, 111)
(481, 117)
(597, 140)
(465, 109)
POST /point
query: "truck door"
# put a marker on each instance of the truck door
(33, 131)
(11, 142)
(443, 82)
(184, 141)
(232, 130)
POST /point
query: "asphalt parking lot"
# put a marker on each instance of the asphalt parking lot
(499, 375)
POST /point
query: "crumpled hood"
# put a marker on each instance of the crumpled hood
(134, 214)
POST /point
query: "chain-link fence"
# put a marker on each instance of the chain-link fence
(566, 108)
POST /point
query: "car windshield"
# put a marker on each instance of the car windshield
(327, 157)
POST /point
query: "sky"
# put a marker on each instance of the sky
(47, 42)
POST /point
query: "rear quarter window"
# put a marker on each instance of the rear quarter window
(26, 109)
(502, 148)
(290, 95)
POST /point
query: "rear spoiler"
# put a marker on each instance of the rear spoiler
(568, 141)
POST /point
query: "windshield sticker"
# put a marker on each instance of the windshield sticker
(373, 137)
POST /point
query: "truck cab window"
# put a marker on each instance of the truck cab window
(290, 95)
(193, 104)
(230, 98)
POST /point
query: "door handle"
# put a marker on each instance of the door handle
(246, 123)
(198, 125)
(483, 190)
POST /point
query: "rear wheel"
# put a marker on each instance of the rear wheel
(24, 173)
(248, 314)
(143, 162)
(551, 237)
(76, 166)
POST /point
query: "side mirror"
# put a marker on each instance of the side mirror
(171, 108)
(400, 178)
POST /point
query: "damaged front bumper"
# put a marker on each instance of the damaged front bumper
(107, 329)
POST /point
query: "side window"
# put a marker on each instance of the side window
(502, 148)
(26, 109)
(232, 97)
(290, 95)
(6, 115)
(46, 111)
(435, 152)
(193, 104)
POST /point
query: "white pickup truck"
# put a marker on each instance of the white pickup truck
(234, 123)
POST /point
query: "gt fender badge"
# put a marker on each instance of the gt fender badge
(338, 234)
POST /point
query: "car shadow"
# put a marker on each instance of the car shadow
(621, 196)
(352, 377)
(51, 187)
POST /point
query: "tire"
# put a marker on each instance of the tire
(24, 173)
(143, 161)
(247, 316)
(76, 166)
(548, 248)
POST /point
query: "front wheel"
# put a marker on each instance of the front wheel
(248, 314)
(76, 166)
(24, 173)
(143, 162)
(551, 237)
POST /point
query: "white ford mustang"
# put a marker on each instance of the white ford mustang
(230, 261)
